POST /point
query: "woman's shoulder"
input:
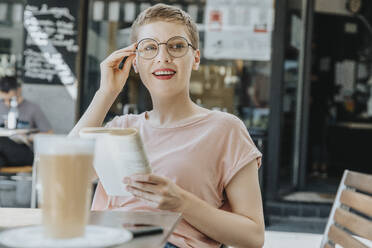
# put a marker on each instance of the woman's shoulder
(225, 119)
(127, 120)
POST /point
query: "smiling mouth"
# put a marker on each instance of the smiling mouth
(164, 73)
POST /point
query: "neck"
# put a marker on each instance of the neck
(167, 111)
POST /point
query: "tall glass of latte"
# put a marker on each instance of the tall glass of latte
(65, 165)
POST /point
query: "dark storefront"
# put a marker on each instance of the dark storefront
(320, 115)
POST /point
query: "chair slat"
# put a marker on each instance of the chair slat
(358, 201)
(344, 239)
(16, 169)
(359, 181)
(354, 223)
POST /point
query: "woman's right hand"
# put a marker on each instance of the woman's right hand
(112, 78)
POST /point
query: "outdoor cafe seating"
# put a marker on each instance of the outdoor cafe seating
(349, 224)
(351, 214)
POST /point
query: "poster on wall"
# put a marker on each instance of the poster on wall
(51, 43)
(238, 29)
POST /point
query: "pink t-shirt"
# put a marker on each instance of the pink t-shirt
(200, 154)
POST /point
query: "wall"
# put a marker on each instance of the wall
(56, 103)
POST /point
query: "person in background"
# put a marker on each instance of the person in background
(204, 163)
(17, 150)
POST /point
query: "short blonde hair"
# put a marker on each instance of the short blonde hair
(167, 13)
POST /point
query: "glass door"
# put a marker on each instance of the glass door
(295, 98)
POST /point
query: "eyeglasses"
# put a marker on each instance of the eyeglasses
(176, 46)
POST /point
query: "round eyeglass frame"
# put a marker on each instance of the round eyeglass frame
(165, 43)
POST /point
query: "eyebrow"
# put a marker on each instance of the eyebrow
(154, 38)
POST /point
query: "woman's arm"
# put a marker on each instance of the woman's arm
(244, 227)
(112, 82)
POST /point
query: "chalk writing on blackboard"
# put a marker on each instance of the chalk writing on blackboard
(50, 43)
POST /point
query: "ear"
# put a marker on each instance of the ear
(134, 64)
(196, 62)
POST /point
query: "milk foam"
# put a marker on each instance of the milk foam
(46, 144)
(95, 132)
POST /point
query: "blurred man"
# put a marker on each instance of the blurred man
(18, 151)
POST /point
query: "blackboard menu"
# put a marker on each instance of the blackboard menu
(50, 41)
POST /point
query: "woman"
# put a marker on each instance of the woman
(204, 163)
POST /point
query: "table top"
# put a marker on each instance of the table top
(5, 132)
(275, 239)
(15, 217)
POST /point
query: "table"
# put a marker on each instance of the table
(15, 217)
(5, 132)
(275, 239)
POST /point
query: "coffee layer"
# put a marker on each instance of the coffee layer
(66, 193)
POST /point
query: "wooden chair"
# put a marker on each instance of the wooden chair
(351, 215)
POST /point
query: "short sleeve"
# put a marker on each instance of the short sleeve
(239, 150)
(118, 121)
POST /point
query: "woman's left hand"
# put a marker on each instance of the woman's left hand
(158, 191)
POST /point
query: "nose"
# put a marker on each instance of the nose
(163, 55)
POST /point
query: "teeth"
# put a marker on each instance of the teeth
(159, 73)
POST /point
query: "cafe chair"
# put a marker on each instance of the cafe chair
(15, 186)
(35, 187)
(16, 169)
(350, 220)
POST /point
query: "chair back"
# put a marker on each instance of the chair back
(35, 184)
(350, 220)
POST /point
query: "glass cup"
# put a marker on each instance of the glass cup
(64, 165)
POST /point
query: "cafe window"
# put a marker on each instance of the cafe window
(11, 37)
(237, 86)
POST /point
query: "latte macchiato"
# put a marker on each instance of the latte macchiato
(65, 166)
